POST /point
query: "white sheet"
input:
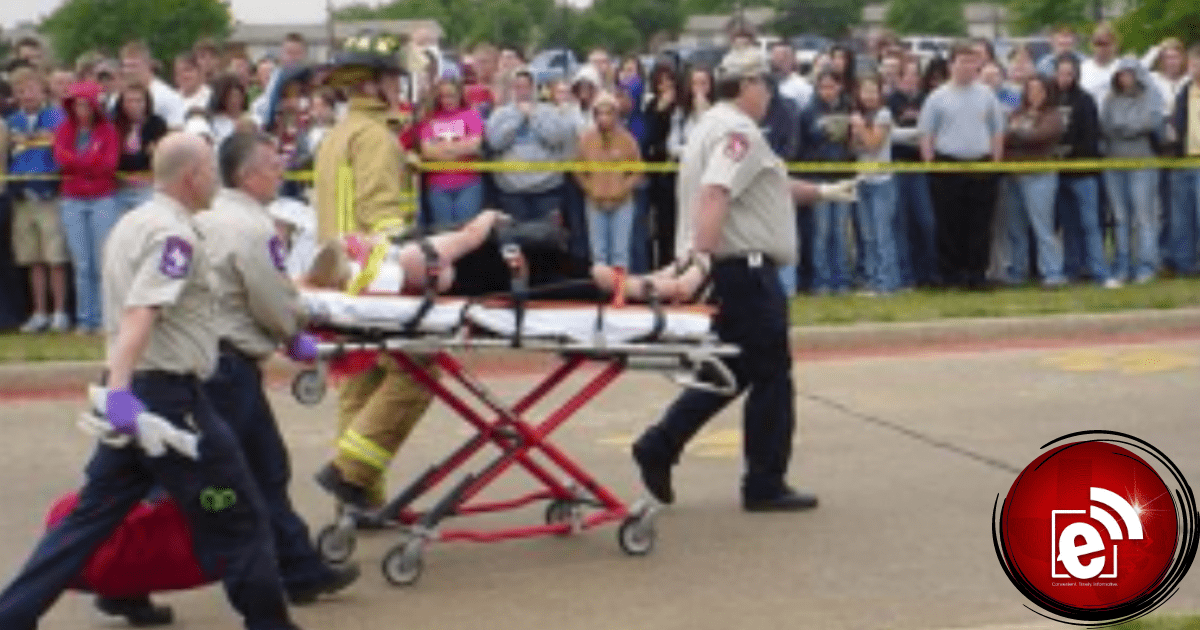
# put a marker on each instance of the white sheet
(575, 322)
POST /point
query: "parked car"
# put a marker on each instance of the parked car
(1039, 46)
(808, 48)
(553, 63)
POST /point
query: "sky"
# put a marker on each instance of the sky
(13, 12)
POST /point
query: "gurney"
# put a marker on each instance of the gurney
(677, 341)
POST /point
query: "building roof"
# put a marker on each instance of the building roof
(755, 17)
(274, 33)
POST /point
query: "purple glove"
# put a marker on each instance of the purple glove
(122, 409)
(303, 348)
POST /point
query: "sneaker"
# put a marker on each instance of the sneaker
(1113, 283)
(36, 324)
(348, 494)
(787, 500)
(60, 323)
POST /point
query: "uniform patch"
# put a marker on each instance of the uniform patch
(278, 253)
(737, 146)
(176, 258)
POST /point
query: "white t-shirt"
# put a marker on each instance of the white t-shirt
(796, 88)
(198, 100)
(1169, 89)
(883, 118)
(1096, 79)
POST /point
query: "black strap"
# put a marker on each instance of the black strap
(520, 288)
(430, 279)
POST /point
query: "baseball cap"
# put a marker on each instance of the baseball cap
(744, 63)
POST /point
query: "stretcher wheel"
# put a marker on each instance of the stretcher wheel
(308, 387)
(561, 511)
(403, 564)
(335, 543)
(636, 535)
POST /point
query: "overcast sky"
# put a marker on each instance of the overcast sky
(13, 12)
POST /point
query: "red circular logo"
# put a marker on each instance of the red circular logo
(1091, 531)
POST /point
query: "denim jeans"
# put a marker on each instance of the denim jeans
(916, 247)
(86, 223)
(1132, 195)
(611, 232)
(453, 206)
(1078, 206)
(1014, 232)
(129, 197)
(876, 222)
(1179, 246)
(830, 221)
(1036, 198)
(531, 206)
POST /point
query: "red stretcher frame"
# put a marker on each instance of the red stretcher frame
(517, 437)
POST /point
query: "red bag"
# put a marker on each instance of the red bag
(150, 551)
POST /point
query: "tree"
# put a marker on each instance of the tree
(831, 18)
(926, 17)
(169, 28)
(1154, 20)
(649, 17)
(1031, 16)
(614, 32)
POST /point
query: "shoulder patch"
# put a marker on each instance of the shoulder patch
(278, 252)
(736, 146)
(176, 258)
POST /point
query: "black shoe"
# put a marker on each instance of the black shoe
(787, 501)
(140, 612)
(348, 494)
(339, 578)
(656, 474)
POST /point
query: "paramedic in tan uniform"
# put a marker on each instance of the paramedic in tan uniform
(737, 208)
(359, 189)
(258, 312)
(161, 345)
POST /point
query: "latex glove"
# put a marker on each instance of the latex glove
(303, 348)
(154, 434)
(845, 191)
(122, 409)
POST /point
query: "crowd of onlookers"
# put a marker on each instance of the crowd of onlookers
(90, 129)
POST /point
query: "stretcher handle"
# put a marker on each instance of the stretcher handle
(719, 379)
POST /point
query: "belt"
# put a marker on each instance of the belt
(227, 346)
(163, 376)
(752, 260)
(942, 157)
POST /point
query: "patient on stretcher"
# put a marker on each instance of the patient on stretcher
(479, 259)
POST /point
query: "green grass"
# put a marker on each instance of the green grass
(1163, 622)
(916, 306)
(1025, 301)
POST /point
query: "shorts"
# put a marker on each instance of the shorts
(37, 234)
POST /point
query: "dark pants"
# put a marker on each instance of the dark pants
(664, 210)
(532, 206)
(963, 204)
(237, 393)
(234, 542)
(753, 315)
(14, 307)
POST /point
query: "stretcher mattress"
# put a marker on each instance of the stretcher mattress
(576, 322)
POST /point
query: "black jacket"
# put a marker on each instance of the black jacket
(1082, 138)
(1179, 119)
(153, 130)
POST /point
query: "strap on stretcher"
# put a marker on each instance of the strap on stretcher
(431, 277)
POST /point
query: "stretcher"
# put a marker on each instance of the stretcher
(676, 341)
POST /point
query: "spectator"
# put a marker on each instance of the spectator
(660, 112)
(452, 132)
(263, 71)
(916, 245)
(630, 94)
(324, 116)
(1170, 74)
(86, 148)
(37, 233)
(568, 105)
(842, 62)
(1184, 129)
(825, 132)
(610, 202)
(106, 76)
(984, 50)
(193, 87)
(139, 130)
(696, 100)
(962, 121)
(1033, 134)
(870, 135)
(1063, 42)
(1021, 68)
(227, 106)
(890, 67)
(783, 70)
(1095, 74)
(524, 130)
(1079, 191)
(585, 87)
(136, 68)
(599, 59)
(478, 95)
(293, 53)
(241, 68)
(31, 51)
(510, 63)
(1129, 118)
(208, 58)
(486, 59)
(60, 83)
(992, 75)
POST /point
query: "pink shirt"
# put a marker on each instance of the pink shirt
(464, 123)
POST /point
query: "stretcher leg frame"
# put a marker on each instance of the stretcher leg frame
(517, 438)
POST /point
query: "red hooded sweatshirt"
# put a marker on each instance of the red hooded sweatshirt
(90, 171)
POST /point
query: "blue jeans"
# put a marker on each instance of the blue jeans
(876, 223)
(829, 255)
(1179, 246)
(236, 391)
(1132, 195)
(531, 206)
(1036, 198)
(455, 206)
(611, 232)
(1078, 207)
(129, 197)
(916, 244)
(86, 223)
(233, 543)
(1015, 231)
